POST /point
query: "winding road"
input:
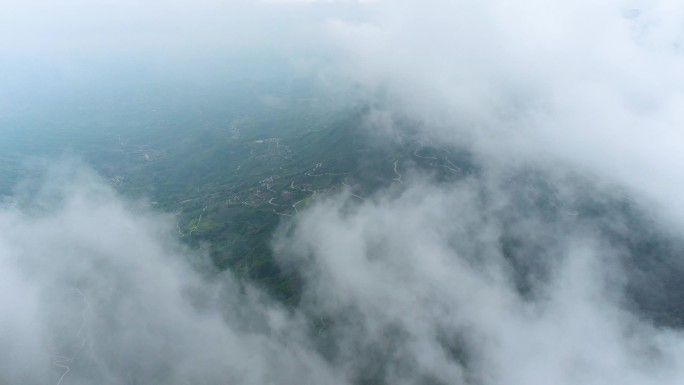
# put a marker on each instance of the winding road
(61, 361)
(398, 178)
(351, 193)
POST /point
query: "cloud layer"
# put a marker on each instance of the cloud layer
(421, 288)
(409, 287)
(597, 86)
(427, 286)
(493, 279)
(95, 290)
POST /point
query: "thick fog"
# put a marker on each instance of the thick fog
(558, 261)
(96, 290)
(417, 289)
(491, 280)
(596, 85)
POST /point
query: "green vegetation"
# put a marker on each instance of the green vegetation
(230, 165)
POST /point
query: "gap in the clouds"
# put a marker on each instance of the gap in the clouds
(259, 200)
(532, 211)
(336, 192)
(394, 206)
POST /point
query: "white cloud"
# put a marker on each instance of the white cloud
(95, 291)
(598, 86)
(422, 282)
(412, 286)
(417, 289)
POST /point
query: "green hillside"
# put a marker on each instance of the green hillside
(232, 162)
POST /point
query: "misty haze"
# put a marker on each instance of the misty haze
(341, 192)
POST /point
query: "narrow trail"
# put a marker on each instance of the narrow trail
(270, 202)
(455, 171)
(62, 361)
(398, 178)
(323, 326)
(415, 153)
(351, 193)
(455, 167)
(308, 173)
(294, 206)
(282, 214)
